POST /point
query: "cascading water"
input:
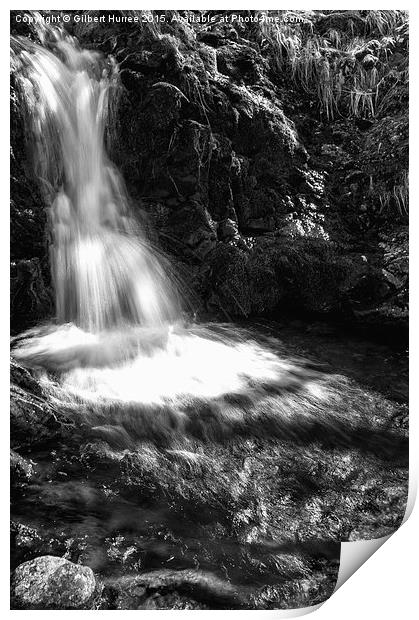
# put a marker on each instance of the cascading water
(104, 274)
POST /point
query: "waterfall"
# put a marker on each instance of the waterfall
(104, 273)
(117, 340)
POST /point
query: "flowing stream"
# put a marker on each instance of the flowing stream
(211, 447)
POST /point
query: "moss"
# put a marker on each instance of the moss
(275, 273)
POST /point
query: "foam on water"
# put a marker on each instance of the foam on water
(156, 366)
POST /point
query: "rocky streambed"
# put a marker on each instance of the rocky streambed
(239, 506)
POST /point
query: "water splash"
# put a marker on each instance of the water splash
(155, 367)
(104, 273)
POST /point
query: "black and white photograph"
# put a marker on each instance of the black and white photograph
(208, 302)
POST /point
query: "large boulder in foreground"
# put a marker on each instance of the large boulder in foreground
(50, 582)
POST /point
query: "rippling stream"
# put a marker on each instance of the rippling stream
(254, 485)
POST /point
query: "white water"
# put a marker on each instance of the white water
(116, 338)
(105, 275)
(158, 367)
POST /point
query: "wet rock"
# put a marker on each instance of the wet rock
(183, 589)
(220, 179)
(188, 160)
(294, 594)
(22, 377)
(261, 224)
(332, 152)
(31, 300)
(25, 542)
(163, 103)
(29, 542)
(194, 227)
(213, 37)
(161, 54)
(396, 258)
(30, 287)
(306, 273)
(32, 418)
(227, 230)
(49, 582)
(383, 290)
(209, 58)
(21, 469)
(171, 601)
(229, 284)
(240, 62)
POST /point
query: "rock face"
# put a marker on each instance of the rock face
(30, 293)
(245, 167)
(32, 419)
(31, 298)
(49, 582)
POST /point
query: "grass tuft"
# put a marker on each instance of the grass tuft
(348, 60)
